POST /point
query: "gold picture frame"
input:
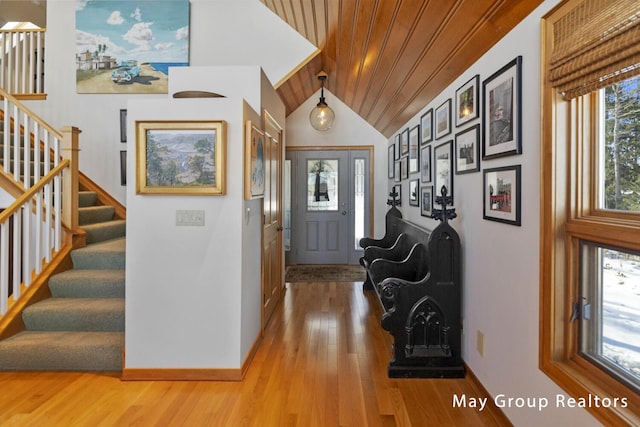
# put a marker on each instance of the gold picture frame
(254, 178)
(181, 157)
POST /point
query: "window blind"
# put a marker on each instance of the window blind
(595, 44)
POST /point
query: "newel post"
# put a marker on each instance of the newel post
(69, 151)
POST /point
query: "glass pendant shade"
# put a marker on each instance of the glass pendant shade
(322, 117)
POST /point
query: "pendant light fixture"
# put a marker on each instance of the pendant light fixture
(322, 117)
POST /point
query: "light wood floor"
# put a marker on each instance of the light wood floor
(322, 363)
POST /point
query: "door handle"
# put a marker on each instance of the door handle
(279, 228)
(343, 212)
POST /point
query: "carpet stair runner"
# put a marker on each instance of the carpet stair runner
(81, 327)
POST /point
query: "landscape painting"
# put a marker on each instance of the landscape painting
(128, 46)
(180, 157)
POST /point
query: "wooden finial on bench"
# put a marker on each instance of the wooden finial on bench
(444, 214)
(394, 198)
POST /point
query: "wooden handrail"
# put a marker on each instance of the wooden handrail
(31, 192)
(21, 107)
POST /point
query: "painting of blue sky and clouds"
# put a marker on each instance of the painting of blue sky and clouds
(127, 46)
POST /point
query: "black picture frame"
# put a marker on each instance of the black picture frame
(404, 168)
(390, 161)
(397, 149)
(123, 125)
(467, 150)
(123, 167)
(414, 192)
(425, 164)
(398, 190)
(414, 149)
(467, 101)
(404, 142)
(443, 167)
(426, 200)
(502, 111)
(397, 173)
(502, 195)
(443, 119)
(426, 127)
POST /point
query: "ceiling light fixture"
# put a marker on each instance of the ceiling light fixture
(322, 117)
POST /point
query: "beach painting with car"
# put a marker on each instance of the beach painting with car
(129, 46)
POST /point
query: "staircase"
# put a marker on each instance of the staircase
(81, 327)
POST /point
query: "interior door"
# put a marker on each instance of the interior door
(323, 205)
(273, 265)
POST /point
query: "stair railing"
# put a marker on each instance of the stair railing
(22, 62)
(39, 168)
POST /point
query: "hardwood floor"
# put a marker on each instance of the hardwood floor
(322, 362)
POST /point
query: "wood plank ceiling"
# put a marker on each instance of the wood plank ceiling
(387, 59)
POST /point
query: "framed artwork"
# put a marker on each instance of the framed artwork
(398, 190)
(443, 164)
(501, 194)
(414, 187)
(404, 168)
(414, 149)
(123, 167)
(467, 101)
(254, 178)
(443, 119)
(397, 173)
(502, 111)
(426, 126)
(467, 150)
(397, 149)
(185, 157)
(425, 164)
(123, 125)
(404, 142)
(426, 197)
(127, 46)
(390, 161)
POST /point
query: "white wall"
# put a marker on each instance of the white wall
(259, 38)
(501, 262)
(349, 129)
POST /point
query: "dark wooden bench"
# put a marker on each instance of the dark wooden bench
(419, 289)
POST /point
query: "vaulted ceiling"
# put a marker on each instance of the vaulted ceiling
(387, 59)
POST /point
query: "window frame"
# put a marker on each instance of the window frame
(569, 214)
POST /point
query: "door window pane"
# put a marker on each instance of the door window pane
(322, 185)
(610, 309)
(619, 171)
(358, 213)
(286, 199)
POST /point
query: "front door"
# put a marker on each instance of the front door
(272, 274)
(330, 193)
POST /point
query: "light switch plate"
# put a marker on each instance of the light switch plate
(190, 218)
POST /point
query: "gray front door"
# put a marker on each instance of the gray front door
(329, 199)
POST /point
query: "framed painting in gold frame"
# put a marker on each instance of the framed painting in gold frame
(254, 178)
(181, 157)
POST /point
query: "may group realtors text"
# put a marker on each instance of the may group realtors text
(540, 403)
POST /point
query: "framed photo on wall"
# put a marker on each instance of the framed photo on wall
(426, 198)
(398, 190)
(426, 126)
(502, 111)
(443, 119)
(443, 167)
(414, 149)
(404, 142)
(390, 161)
(425, 164)
(414, 188)
(501, 197)
(467, 101)
(467, 150)
(397, 173)
(397, 149)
